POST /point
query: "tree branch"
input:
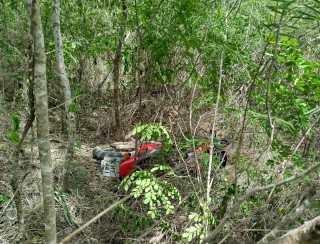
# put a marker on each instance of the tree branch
(309, 232)
(253, 192)
(91, 221)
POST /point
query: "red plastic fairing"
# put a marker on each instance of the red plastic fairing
(147, 147)
(127, 166)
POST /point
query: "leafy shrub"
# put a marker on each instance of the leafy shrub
(13, 132)
(130, 221)
(3, 199)
(157, 132)
(197, 230)
(157, 195)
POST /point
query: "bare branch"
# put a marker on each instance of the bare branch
(309, 232)
(94, 219)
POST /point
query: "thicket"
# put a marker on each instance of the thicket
(187, 73)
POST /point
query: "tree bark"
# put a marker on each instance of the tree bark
(62, 73)
(41, 109)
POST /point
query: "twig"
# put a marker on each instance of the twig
(193, 134)
(100, 85)
(15, 193)
(305, 135)
(186, 166)
(91, 221)
(224, 238)
(62, 104)
(209, 184)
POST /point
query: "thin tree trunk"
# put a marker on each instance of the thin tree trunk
(139, 64)
(116, 66)
(62, 73)
(16, 166)
(116, 76)
(41, 107)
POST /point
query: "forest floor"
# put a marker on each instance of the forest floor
(90, 193)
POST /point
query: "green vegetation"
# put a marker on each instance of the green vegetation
(243, 73)
(156, 194)
(3, 199)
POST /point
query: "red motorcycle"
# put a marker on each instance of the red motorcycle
(121, 164)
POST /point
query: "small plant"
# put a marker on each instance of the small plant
(130, 220)
(157, 195)
(3, 199)
(61, 199)
(189, 142)
(13, 132)
(198, 228)
(205, 101)
(298, 87)
(75, 105)
(248, 206)
(148, 132)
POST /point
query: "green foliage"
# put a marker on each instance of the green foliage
(248, 206)
(131, 221)
(189, 142)
(157, 195)
(309, 10)
(245, 165)
(204, 158)
(299, 161)
(75, 105)
(278, 121)
(204, 101)
(282, 150)
(61, 199)
(298, 88)
(197, 228)
(157, 132)
(179, 44)
(13, 134)
(3, 199)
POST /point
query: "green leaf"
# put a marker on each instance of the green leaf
(13, 137)
(3, 199)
